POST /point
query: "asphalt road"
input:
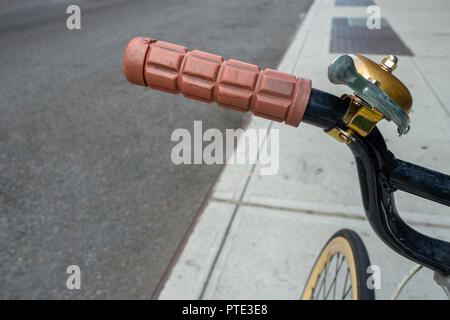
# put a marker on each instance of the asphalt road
(85, 170)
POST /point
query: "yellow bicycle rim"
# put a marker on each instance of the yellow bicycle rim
(335, 246)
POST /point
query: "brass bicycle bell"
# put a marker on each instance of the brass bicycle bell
(378, 94)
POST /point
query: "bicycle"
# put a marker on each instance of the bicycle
(350, 119)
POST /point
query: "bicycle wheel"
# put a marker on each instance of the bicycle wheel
(340, 271)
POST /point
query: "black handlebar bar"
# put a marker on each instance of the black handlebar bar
(421, 181)
(380, 175)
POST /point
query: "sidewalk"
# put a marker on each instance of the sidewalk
(259, 235)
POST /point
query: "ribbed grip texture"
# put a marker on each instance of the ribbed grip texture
(207, 77)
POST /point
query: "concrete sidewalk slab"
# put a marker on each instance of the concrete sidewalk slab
(279, 223)
(191, 269)
(268, 255)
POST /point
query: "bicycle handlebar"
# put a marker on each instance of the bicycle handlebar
(282, 97)
(207, 77)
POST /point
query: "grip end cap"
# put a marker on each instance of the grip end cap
(296, 112)
(134, 60)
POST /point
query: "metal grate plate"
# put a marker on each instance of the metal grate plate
(354, 3)
(351, 35)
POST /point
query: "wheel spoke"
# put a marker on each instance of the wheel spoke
(325, 280)
(344, 294)
(322, 284)
(334, 281)
(335, 276)
(347, 292)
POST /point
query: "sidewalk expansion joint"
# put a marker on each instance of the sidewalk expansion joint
(431, 87)
(230, 223)
(241, 197)
(315, 212)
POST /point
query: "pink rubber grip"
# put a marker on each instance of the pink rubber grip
(203, 76)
